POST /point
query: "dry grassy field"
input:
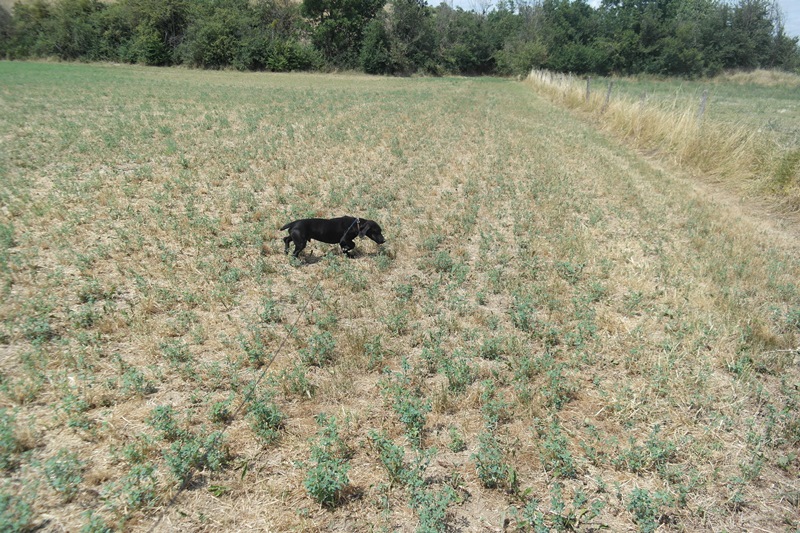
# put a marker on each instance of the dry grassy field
(765, 101)
(740, 128)
(559, 333)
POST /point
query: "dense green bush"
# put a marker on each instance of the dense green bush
(213, 36)
(662, 37)
(375, 52)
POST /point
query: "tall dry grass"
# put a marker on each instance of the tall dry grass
(763, 77)
(745, 157)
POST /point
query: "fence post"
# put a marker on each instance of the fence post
(702, 110)
(608, 95)
(588, 87)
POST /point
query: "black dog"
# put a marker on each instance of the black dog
(340, 230)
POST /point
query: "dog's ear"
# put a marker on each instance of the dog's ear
(364, 229)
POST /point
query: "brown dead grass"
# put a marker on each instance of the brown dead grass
(650, 303)
(767, 78)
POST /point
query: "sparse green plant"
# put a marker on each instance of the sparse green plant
(137, 489)
(597, 292)
(497, 281)
(10, 445)
(458, 371)
(216, 452)
(392, 456)
(633, 300)
(6, 236)
(254, 347)
(429, 503)
(433, 357)
(95, 523)
(327, 476)
(523, 314)
(431, 507)
(320, 350)
(645, 508)
(585, 326)
(432, 242)
(397, 322)
(736, 500)
(655, 454)
(85, 317)
(682, 483)
(492, 470)
(558, 389)
(375, 352)
(266, 418)
(176, 352)
(63, 473)
(442, 262)
(493, 408)
(412, 411)
(24, 389)
(383, 260)
(491, 348)
(183, 458)
(162, 418)
(532, 518)
(134, 382)
(570, 271)
(76, 407)
(751, 469)
(661, 452)
(355, 280)
(457, 443)
(270, 311)
(555, 454)
(793, 318)
(404, 291)
(294, 380)
(634, 458)
(326, 321)
(93, 291)
(407, 402)
(570, 517)
(38, 330)
(16, 512)
(481, 298)
(137, 452)
(194, 452)
(220, 411)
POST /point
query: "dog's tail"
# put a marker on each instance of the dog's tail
(288, 226)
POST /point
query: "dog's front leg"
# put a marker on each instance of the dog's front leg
(347, 247)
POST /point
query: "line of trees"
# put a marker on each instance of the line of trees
(401, 37)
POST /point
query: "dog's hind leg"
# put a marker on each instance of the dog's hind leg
(299, 244)
(286, 241)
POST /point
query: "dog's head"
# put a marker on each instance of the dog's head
(371, 229)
